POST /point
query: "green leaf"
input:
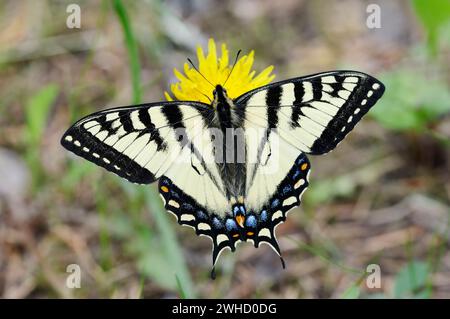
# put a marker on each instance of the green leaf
(433, 14)
(411, 281)
(36, 112)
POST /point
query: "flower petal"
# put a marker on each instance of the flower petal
(194, 87)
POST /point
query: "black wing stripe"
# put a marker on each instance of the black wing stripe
(273, 99)
(144, 116)
(125, 120)
(154, 132)
(317, 90)
(296, 111)
(173, 115)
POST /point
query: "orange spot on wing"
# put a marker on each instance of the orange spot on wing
(304, 166)
(164, 189)
(240, 220)
(250, 233)
(235, 235)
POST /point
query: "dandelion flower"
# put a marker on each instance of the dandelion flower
(192, 86)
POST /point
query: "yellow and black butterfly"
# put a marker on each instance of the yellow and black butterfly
(231, 169)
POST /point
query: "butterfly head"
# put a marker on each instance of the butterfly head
(221, 96)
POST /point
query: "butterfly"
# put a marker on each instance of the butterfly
(232, 169)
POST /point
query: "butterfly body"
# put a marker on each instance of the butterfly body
(227, 114)
(230, 158)
(232, 169)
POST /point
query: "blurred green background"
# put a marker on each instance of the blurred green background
(382, 197)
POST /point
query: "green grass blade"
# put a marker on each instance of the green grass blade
(171, 250)
(132, 48)
(352, 292)
(37, 110)
(180, 288)
(170, 244)
(411, 281)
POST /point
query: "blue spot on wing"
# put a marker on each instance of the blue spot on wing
(264, 215)
(230, 225)
(300, 159)
(287, 189)
(239, 209)
(275, 203)
(201, 215)
(187, 206)
(165, 181)
(175, 194)
(250, 221)
(217, 223)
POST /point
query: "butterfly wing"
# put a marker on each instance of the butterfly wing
(316, 112)
(303, 115)
(142, 143)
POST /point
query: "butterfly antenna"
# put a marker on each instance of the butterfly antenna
(232, 68)
(195, 68)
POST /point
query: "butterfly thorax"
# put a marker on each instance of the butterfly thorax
(225, 109)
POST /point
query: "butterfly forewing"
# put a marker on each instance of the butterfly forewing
(134, 142)
(313, 113)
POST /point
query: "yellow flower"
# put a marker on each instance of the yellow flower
(193, 87)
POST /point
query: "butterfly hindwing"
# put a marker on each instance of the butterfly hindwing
(258, 226)
(189, 212)
(288, 195)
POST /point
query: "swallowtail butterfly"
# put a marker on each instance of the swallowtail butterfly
(227, 199)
